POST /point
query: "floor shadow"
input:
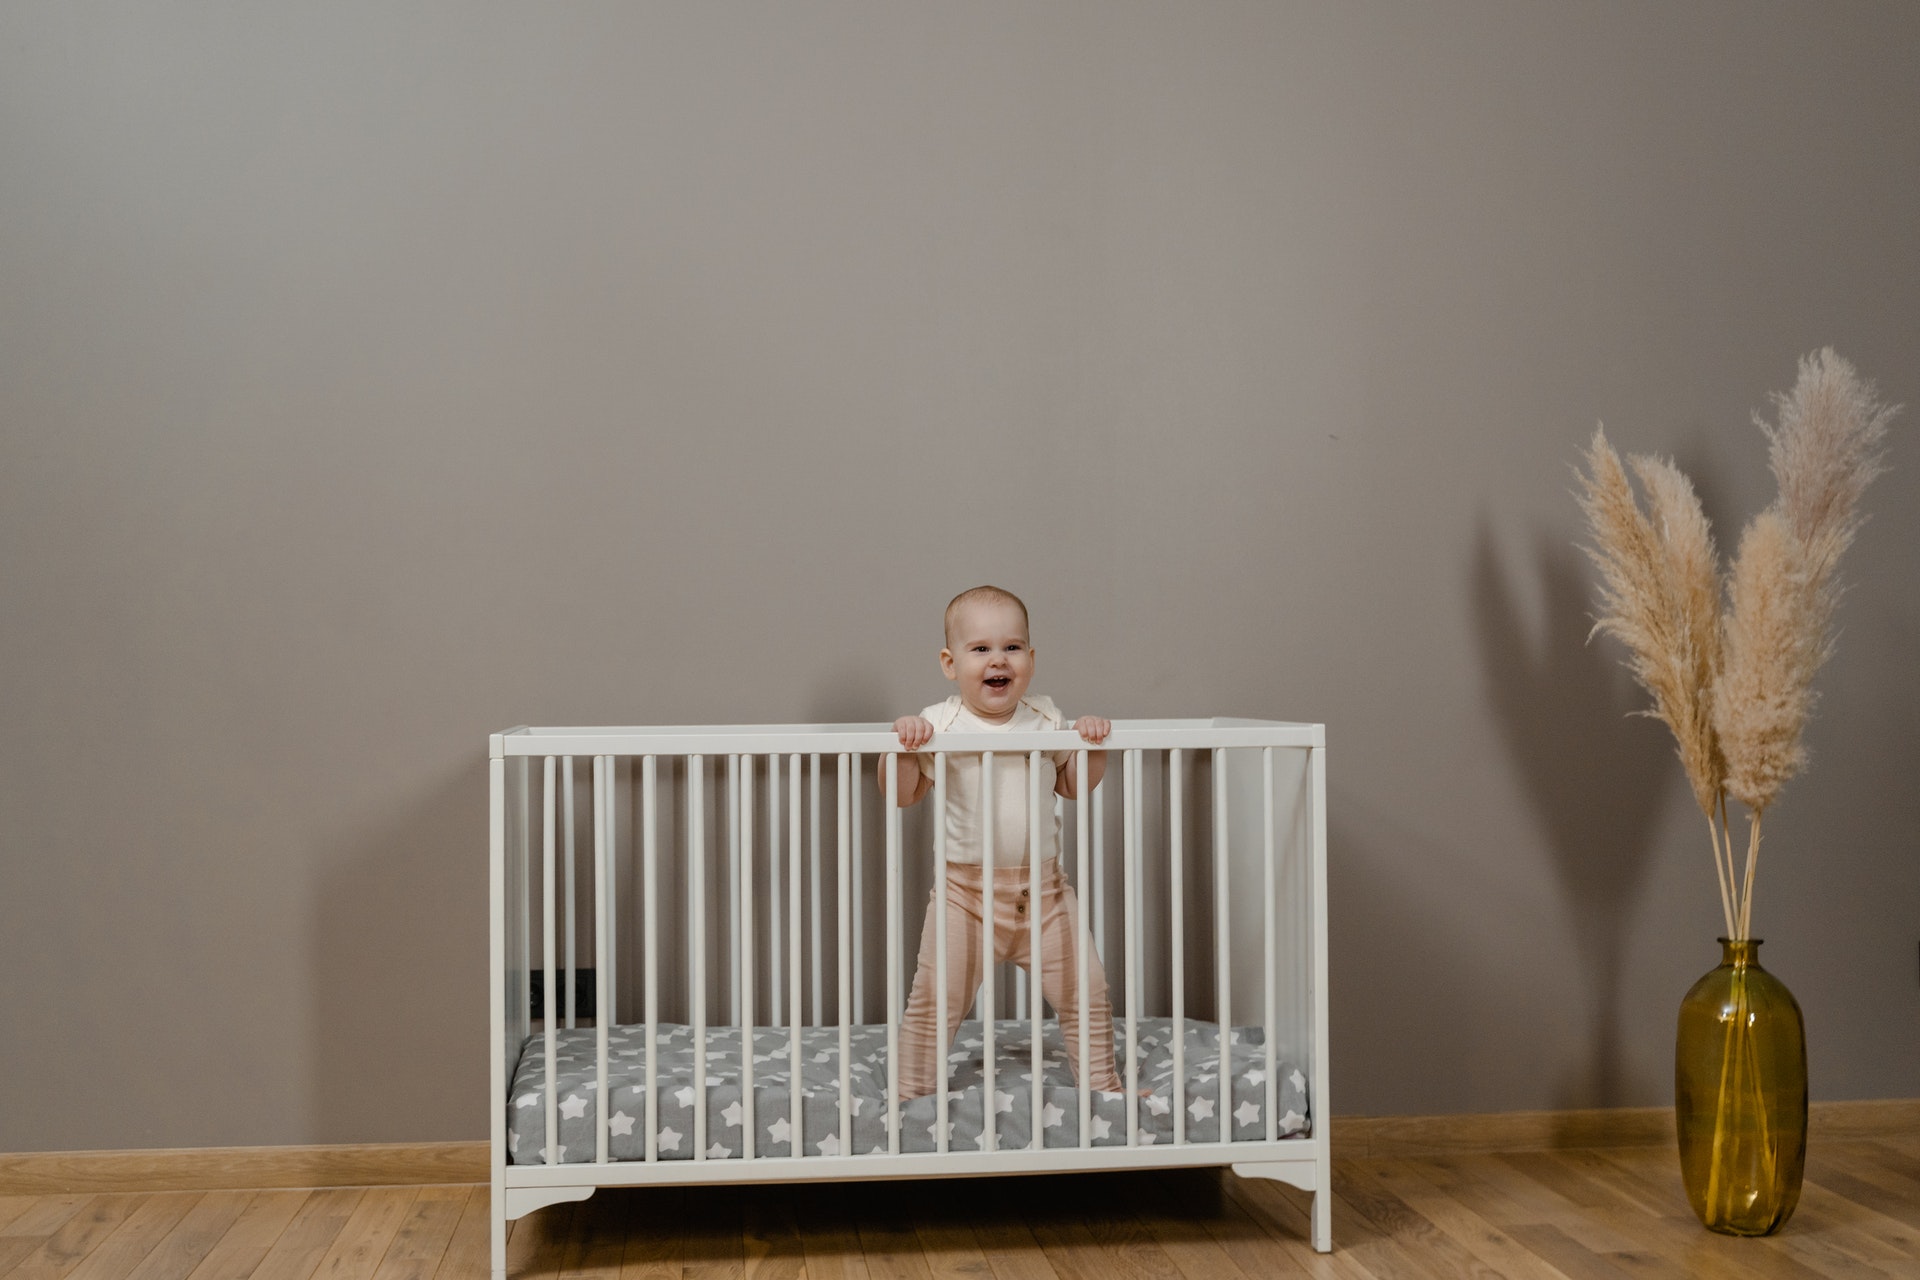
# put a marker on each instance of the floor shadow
(1595, 776)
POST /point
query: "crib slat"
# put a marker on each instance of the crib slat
(697, 938)
(743, 957)
(649, 891)
(602, 927)
(941, 1045)
(548, 783)
(1270, 978)
(1095, 887)
(776, 989)
(733, 888)
(796, 1118)
(1035, 965)
(573, 976)
(813, 810)
(843, 953)
(1222, 945)
(892, 759)
(1176, 791)
(1130, 857)
(859, 902)
(1081, 942)
(988, 1107)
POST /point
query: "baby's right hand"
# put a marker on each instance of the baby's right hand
(915, 731)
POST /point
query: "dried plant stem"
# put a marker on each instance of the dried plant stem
(1723, 853)
(1746, 895)
(1720, 872)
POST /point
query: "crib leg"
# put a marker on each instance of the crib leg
(1308, 1177)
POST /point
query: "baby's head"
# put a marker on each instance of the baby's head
(989, 653)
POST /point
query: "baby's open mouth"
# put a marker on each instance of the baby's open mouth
(998, 682)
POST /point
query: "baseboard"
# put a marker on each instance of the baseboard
(243, 1168)
(42, 1173)
(1389, 1137)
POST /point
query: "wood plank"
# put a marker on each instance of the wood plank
(1396, 1240)
(711, 1247)
(421, 1240)
(770, 1243)
(470, 1248)
(43, 1215)
(654, 1236)
(244, 1168)
(193, 1237)
(1283, 1212)
(1004, 1237)
(239, 1253)
(880, 1216)
(12, 1207)
(308, 1237)
(139, 1235)
(828, 1242)
(1183, 1234)
(537, 1244)
(363, 1239)
(1474, 1233)
(60, 1252)
(944, 1225)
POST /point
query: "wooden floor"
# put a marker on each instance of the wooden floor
(1577, 1214)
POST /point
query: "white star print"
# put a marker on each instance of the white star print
(1099, 1127)
(1299, 1081)
(823, 1056)
(1292, 1121)
(573, 1107)
(859, 1104)
(669, 1139)
(513, 1143)
(527, 1100)
(1147, 1139)
(621, 1125)
(731, 1115)
(829, 1145)
(717, 1152)
(779, 1131)
(1201, 1108)
(1051, 1116)
(684, 1096)
(1157, 1104)
(1002, 1101)
(1254, 1077)
(1247, 1113)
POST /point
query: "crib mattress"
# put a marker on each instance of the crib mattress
(576, 1055)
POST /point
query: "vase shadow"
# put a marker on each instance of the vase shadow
(1595, 776)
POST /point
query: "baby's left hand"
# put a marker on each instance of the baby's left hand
(1093, 728)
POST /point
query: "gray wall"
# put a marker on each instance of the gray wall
(372, 378)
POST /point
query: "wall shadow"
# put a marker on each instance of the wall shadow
(398, 991)
(1595, 776)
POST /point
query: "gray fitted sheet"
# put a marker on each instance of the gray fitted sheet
(820, 1092)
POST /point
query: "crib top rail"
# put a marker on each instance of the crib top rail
(833, 739)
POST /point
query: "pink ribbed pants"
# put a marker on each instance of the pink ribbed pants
(1012, 937)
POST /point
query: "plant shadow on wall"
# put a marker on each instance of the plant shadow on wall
(1595, 775)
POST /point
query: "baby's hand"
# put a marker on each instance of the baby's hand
(1093, 728)
(915, 731)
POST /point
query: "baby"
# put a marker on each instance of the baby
(990, 658)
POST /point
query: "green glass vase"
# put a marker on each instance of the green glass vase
(1740, 1095)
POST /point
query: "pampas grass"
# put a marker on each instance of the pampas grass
(1735, 685)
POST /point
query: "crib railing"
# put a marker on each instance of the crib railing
(1221, 912)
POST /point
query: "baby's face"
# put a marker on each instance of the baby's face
(989, 657)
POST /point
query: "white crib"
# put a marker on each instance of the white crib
(1209, 904)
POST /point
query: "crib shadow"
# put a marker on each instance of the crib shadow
(1596, 776)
